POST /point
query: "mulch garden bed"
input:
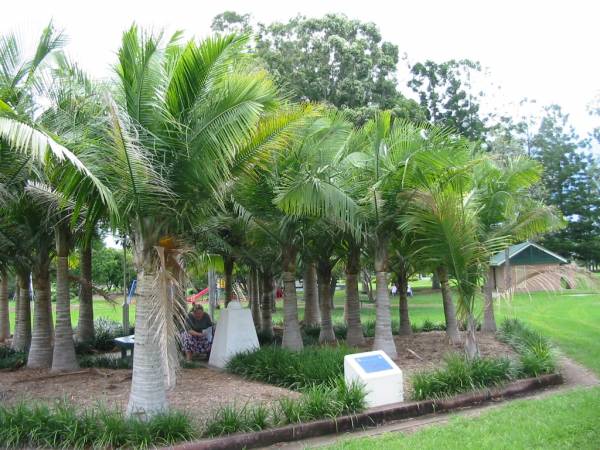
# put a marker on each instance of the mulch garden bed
(202, 389)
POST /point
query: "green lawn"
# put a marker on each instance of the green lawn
(568, 420)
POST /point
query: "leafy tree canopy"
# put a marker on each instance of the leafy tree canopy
(330, 59)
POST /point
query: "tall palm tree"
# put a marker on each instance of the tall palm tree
(504, 186)
(180, 115)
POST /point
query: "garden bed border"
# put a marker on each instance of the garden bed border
(370, 418)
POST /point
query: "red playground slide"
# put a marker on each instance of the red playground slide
(193, 298)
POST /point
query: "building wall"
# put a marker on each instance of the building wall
(529, 278)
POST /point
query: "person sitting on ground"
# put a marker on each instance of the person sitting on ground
(197, 337)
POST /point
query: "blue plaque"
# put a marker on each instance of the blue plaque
(373, 363)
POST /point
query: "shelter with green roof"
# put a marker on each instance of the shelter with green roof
(531, 268)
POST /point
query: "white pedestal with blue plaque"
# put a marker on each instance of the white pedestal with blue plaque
(381, 377)
(235, 333)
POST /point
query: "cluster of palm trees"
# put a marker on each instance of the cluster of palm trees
(191, 149)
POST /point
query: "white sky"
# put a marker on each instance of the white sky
(546, 50)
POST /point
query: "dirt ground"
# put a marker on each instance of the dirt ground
(426, 351)
(202, 389)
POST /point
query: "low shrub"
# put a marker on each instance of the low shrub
(11, 359)
(289, 369)
(461, 375)
(317, 402)
(62, 426)
(106, 362)
(536, 355)
(105, 331)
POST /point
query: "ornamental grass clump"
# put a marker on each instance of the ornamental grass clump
(536, 355)
(461, 375)
(62, 426)
(289, 369)
(328, 400)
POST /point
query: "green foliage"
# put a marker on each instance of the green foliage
(11, 359)
(293, 370)
(327, 400)
(106, 362)
(62, 426)
(460, 375)
(535, 351)
(105, 331)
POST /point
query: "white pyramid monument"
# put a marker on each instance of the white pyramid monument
(235, 333)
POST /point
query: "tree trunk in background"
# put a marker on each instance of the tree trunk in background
(435, 281)
(4, 322)
(274, 296)
(255, 308)
(449, 310)
(148, 391)
(228, 269)
(312, 314)
(324, 281)
(507, 271)
(332, 286)
(366, 276)
(40, 353)
(292, 338)
(85, 323)
(63, 358)
(355, 334)
(405, 328)
(22, 337)
(384, 339)
(489, 321)
(266, 323)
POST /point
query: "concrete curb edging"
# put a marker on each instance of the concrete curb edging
(369, 418)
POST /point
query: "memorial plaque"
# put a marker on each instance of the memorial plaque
(373, 363)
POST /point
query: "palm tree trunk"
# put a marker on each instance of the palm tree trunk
(22, 337)
(384, 339)
(324, 282)
(471, 348)
(40, 353)
(405, 328)
(435, 281)
(255, 297)
(292, 339)
(355, 334)
(85, 324)
(449, 310)
(366, 274)
(228, 269)
(266, 323)
(312, 314)
(4, 321)
(148, 392)
(63, 358)
(489, 321)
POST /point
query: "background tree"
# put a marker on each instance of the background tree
(446, 94)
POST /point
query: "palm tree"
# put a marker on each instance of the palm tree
(379, 154)
(4, 322)
(312, 315)
(443, 216)
(508, 210)
(180, 116)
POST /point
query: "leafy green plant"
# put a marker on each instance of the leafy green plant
(460, 375)
(293, 370)
(11, 359)
(536, 355)
(106, 362)
(62, 426)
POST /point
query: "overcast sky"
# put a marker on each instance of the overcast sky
(546, 50)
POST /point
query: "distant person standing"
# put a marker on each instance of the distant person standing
(394, 290)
